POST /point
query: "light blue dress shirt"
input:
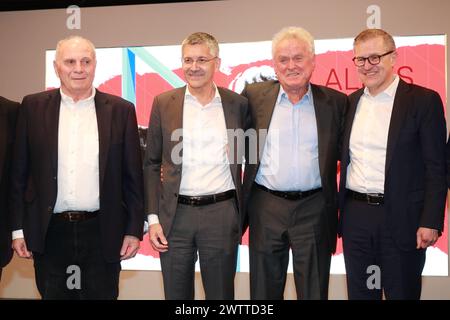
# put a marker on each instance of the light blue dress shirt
(290, 160)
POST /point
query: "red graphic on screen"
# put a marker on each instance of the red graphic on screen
(422, 64)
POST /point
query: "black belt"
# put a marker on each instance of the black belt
(289, 195)
(75, 216)
(204, 200)
(371, 198)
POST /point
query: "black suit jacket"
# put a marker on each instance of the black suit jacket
(34, 176)
(448, 163)
(415, 175)
(161, 197)
(330, 107)
(8, 115)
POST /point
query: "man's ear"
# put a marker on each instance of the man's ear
(55, 67)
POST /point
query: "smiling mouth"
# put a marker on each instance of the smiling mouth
(370, 74)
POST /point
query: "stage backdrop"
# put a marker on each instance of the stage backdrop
(138, 74)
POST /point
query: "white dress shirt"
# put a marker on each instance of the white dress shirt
(290, 159)
(368, 141)
(205, 163)
(78, 162)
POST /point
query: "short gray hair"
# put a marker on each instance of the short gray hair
(202, 38)
(293, 33)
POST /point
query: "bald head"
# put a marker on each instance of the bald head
(74, 41)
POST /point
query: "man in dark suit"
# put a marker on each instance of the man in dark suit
(291, 188)
(393, 183)
(193, 176)
(77, 186)
(8, 115)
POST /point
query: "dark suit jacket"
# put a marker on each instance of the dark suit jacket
(415, 177)
(330, 107)
(448, 163)
(161, 197)
(34, 176)
(8, 115)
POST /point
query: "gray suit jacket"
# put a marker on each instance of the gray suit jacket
(330, 107)
(161, 197)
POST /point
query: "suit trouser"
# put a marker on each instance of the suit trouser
(73, 266)
(277, 225)
(212, 231)
(370, 252)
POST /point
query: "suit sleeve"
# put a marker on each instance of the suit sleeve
(132, 187)
(153, 160)
(19, 169)
(432, 138)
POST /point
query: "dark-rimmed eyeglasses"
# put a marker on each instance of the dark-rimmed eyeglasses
(199, 61)
(373, 59)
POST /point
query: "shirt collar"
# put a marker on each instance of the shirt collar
(67, 99)
(389, 91)
(282, 95)
(190, 96)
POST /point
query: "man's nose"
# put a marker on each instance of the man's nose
(78, 67)
(195, 65)
(367, 65)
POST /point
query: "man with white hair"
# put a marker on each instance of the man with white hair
(291, 191)
(77, 186)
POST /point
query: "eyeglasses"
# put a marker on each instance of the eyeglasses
(199, 61)
(373, 59)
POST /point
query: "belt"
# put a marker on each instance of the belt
(289, 195)
(374, 199)
(74, 216)
(204, 200)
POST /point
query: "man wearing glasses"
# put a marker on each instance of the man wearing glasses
(193, 176)
(393, 183)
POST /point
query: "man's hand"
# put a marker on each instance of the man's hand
(157, 238)
(20, 247)
(426, 237)
(130, 247)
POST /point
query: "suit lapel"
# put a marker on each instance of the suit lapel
(264, 111)
(229, 110)
(267, 105)
(175, 107)
(104, 114)
(231, 123)
(52, 124)
(354, 99)
(323, 123)
(401, 103)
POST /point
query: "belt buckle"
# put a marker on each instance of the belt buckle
(74, 216)
(372, 199)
